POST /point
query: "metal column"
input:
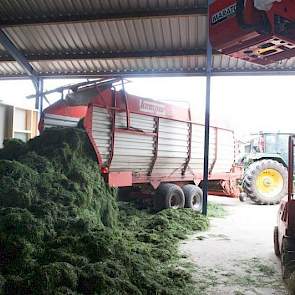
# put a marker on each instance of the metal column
(207, 122)
(39, 95)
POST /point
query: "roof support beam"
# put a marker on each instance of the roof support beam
(18, 56)
(124, 15)
(107, 55)
(155, 73)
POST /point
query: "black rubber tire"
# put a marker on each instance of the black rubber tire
(243, 197)
(249, 181)
(123, 193)
(193, 197)
(276, 241)
(168, 196)
(288, 257)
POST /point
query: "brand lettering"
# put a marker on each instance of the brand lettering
(152, 108)
(223, 14)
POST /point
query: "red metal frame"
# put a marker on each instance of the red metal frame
(215, 152)
(143, 106)
(189, 144)
(88, 128)
(286, 214)
(156, 147)
(189, 149)
(245, 33)
(119, 179)
(113, 112)
(235, 174)
(291, 167)
(164, 111)
(290, 226)
(127, 106)
(61, 108)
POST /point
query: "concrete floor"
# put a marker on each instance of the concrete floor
(236, 255)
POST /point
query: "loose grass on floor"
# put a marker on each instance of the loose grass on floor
(241, 276)
(216, 210)
(62, 230)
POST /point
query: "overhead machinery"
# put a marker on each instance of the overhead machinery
(257, 31)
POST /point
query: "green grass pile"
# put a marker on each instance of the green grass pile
(290, 282)
(63, 232)
(216, 210)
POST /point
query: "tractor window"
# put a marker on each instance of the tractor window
(277, 144)
(270, 143)
(282, 143)
(282, 146)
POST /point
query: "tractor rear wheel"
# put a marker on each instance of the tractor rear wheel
(243, 197)
(288, 257)
(169, 196)
(193, 197)
(266, 182)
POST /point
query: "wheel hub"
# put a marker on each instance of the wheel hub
(269, 182)
(196, 202)
(174, 202)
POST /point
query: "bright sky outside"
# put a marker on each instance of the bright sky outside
(245, 104)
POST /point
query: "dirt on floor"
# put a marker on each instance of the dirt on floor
(236, 255)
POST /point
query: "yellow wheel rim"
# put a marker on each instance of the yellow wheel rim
(269, 182)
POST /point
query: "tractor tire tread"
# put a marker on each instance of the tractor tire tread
(249, 177)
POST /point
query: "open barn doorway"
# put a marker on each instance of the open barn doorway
(242, 231)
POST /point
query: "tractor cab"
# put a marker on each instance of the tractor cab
(256, 145)
(267, 145)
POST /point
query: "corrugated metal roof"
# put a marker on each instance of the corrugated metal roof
(122, 35)
(65, 37)
(112, 66)
(26, 9)
(11, 69)
(127, 65)
(140, 66)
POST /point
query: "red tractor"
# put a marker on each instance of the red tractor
(284, 232)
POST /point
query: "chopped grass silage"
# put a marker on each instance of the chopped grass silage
(216, 210)
(62, 230)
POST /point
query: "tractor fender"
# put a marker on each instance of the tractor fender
(274, 158)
